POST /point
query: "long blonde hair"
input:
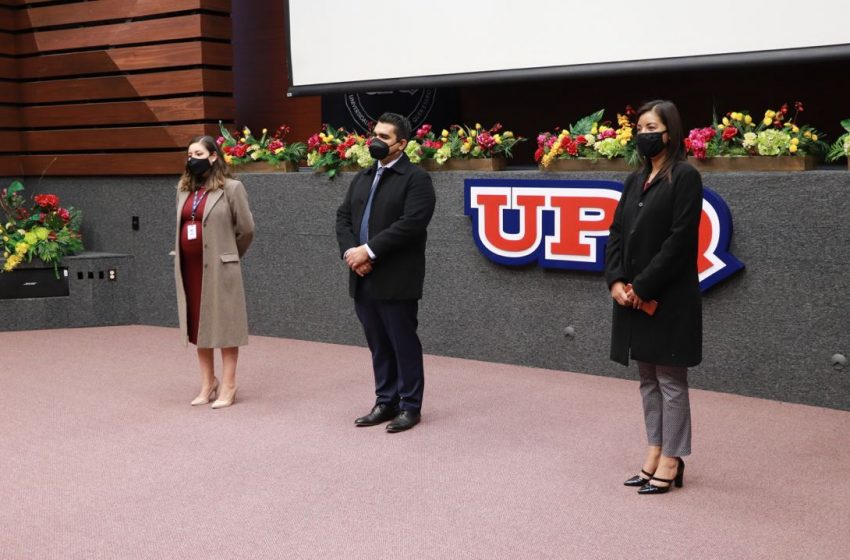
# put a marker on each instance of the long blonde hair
(217, 173)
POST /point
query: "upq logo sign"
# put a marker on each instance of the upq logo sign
(564, 224)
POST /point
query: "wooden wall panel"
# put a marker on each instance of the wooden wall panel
(104, 164)
(126, 59)
(124, 138)
(92, 89)
(169, 29)
(127, 112)
(8, 68)
(179, 82)
(7, 44)
(106, 10)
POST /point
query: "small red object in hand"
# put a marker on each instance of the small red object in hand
(647, 307)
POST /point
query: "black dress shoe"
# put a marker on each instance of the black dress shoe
(679, 481)
(380, 414)
(638, 480)
(405, 420)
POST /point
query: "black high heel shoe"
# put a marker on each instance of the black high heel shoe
(638, 480)
(679, 481)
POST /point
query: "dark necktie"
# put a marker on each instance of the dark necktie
(364, 224)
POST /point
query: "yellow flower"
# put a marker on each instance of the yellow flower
(477, 126)
(279, 150)
(228, 159)
(5, 254)
(464, 149)
(21, 248)
(769, 114)
(444, 133)
(623, 142)
(497, 139)
(807, 134)
(508, 134)
(814, 137)
(473, 133)
(767, 120)
(461, 132)
(720, 126)
(795, 141)
(265, 131)
(725, 122)
(594, 129)
(246, 131)
(748, 119)
(242, 140)
(795, 129)
(792, 148)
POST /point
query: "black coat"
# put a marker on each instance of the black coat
(401, 209)
(653, 245)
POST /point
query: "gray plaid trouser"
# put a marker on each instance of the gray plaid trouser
(666, 408)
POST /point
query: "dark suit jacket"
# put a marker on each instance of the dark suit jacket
(653, 245)
(401, 209)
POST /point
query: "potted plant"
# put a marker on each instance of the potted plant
(589, 144)
(841, 147)
(463, 148)
(335, 149)
(268, 153)
(45, 231)
(739, 142)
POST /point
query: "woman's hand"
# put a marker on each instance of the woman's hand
(637, 302)
(620, 295)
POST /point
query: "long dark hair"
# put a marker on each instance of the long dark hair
(217, 173)
(674, 150)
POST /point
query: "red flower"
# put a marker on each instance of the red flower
(485, 140)
(799, 106)
(581, 140)
(538, 155)
(313, 142)
(324, 148)
(63, 214)
(423, 131)
(729, 132)
(274, 145)
(46, 201)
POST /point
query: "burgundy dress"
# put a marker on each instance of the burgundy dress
(192, 261)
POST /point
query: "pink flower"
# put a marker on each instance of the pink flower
(485, 140)
(423, 131)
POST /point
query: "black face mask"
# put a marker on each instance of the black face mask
(379, 149)
(650, 144)
(198, 166)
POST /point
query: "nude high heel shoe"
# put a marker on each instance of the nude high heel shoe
(210, 396)
(224, 404)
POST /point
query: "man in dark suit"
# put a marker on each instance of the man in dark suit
(381, 230)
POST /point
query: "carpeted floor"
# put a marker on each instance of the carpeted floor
(101, 457)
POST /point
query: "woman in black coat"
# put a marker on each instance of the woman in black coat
(651, 261)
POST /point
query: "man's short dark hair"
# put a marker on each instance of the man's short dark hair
(400, 123)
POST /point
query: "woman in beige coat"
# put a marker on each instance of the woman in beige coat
(214, 229)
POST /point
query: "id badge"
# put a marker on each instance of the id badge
(192, 232)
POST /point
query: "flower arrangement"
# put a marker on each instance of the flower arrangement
(841, 147)
(461, 142)
(739, 134)
(334, 148)
(46, 230)
(271, 148)
(590, 138)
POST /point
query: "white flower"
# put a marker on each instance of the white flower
(749, 140)
(847, 145)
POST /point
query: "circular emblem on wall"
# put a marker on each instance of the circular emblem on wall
(365, 108)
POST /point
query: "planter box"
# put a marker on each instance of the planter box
(588, 164)
(755, 163)
(480, 164)
(35, 279)
(265, 167)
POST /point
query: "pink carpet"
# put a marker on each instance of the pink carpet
(101, 457)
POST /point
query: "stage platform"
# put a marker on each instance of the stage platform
(101, 457)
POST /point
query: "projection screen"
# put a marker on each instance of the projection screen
(355, 45)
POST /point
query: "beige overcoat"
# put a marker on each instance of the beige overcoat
(228, 229)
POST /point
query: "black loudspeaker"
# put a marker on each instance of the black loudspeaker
(34, 283)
